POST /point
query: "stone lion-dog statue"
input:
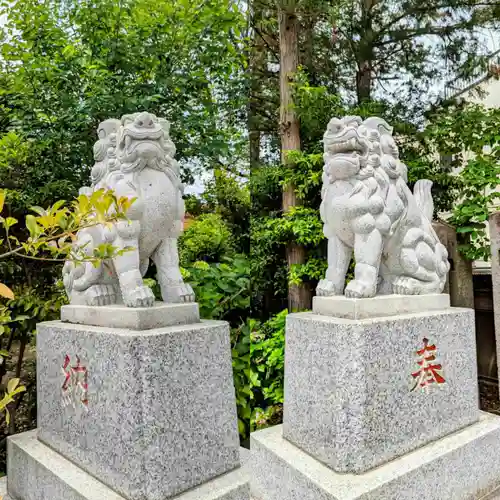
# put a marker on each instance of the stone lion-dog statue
(367, 208)
(134, 157)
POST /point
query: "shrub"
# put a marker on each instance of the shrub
(208, 239)
(267, 353)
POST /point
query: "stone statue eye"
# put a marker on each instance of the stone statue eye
(140, 123)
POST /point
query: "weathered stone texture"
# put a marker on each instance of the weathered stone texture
(348, 385)
(161, 413)
(462, 466)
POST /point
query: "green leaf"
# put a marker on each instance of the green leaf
(21, 318)
(241, 427)
(40, 211)
(12, 384)
(10, 221)
(31, 225)
(57, 205)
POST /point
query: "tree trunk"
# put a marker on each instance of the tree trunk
(364, 81)
(365, 60)
(308, 52)
(256, 67)
(299, 296)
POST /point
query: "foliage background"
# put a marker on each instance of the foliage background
(67, 65)
(212, 68)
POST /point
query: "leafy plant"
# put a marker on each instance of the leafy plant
(54, 230)
(465, 138)
(18, 320)
(480, 179)
(208, 238)
(51, 236)
(222, 289)
(267, 353)
(240, 351)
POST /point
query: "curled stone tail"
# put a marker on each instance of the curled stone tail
(423, 197)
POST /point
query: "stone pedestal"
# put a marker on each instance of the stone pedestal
(379, 407)
(131, 414)
(462, 466)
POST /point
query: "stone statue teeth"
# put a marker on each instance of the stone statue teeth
(134, 158)
(368, 209)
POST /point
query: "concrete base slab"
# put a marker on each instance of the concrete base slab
(134, 318)
(462, 466)
(42, 474)
(340, 306)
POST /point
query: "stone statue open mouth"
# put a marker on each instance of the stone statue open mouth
(349, 141)
(376, 217)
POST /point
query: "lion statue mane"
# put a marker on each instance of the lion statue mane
(134, 157)
(367, 208)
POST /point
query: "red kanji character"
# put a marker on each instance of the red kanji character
(75, 381)
(429, 369)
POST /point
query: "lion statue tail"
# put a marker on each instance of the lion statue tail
(423, 197)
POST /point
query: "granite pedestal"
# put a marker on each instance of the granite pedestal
(376, 408)
(135, 414)
(462, 466)
(43, 474)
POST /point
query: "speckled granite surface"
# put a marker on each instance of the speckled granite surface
(462, 466)
(43, 474)
(340, 306)
(495, 495)
(348, 385)
(161, 413)
(134, 318)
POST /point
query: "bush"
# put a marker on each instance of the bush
(208, 239)
(240, 350)
(222, 289)
(267, 353)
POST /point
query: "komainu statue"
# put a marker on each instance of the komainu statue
(368, 208)
(134, 157)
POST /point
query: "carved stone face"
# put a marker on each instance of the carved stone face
(389, 146)
(140, 142)
(347, 148)
(343, 136)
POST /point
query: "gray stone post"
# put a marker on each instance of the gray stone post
(459, 284)
(381, 401)
(494, 222)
